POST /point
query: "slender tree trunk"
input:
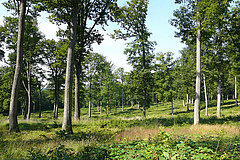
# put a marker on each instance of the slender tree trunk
(98, 106)
(90, 97)
(107, 107)
(101, 107)
(205, 91)
(211, 96)
(13, 122)
(172, 102)
(56, 102)
(122, 102)
(29, 90)
(144, 104)
(40, 102)
(198, 77)
(187, 100)
(236, 101)
(219, 94)
(25, 109)
(183, 102)
(67, 115)
(77, 95)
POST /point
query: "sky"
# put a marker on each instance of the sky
(159, 14)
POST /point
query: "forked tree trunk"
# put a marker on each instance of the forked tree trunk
(13, 122)
(236, 101)
(205, 91)
(67, 115)
(198, 77)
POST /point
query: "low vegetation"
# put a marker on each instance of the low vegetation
(125, 135)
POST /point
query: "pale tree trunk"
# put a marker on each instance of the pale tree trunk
(29, 90)
(107, 107)
(98, 106)
(172, 102)
(236, 101)
(13, 122)
(211, 96)
(187, 100)
(77, 96)
(101, 107)
(40, 102)
(25, 108)
(183, 102)
(132, 102)
(219, 95)
(122, 102)
(90, 97)
(144, 104)
(205, 91)
(198, 77)
(56, 101)
(67, 115)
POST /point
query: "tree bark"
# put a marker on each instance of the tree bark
(77, 95)
(67, 115)
(198, 77)
(90, 97)
(219, 94)
(187, 100)
(13, 122)
(29, 90)
(122, 102)
(236, 101)
(205, 91)
(40, 101)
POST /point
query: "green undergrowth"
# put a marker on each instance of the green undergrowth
(162, 146)
(111, 136)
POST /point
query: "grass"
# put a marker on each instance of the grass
(101, 135)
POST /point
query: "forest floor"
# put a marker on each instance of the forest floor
(125, 135)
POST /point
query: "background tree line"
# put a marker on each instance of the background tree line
(43, 74)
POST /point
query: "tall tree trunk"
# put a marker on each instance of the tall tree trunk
(67, 115)
(144, 104)
(236, 101)
(101, 106)
(29, 90)
(25, 108)
(187, 100)
(77, 94)
(198, 77)
(219, 94)
(211, 96)
(172, 102)
(40, 101)
(122, 102)
(107, 107)
(183, 102)
(98, 105)
(13, 122)
(205, 91)
(90, 97)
